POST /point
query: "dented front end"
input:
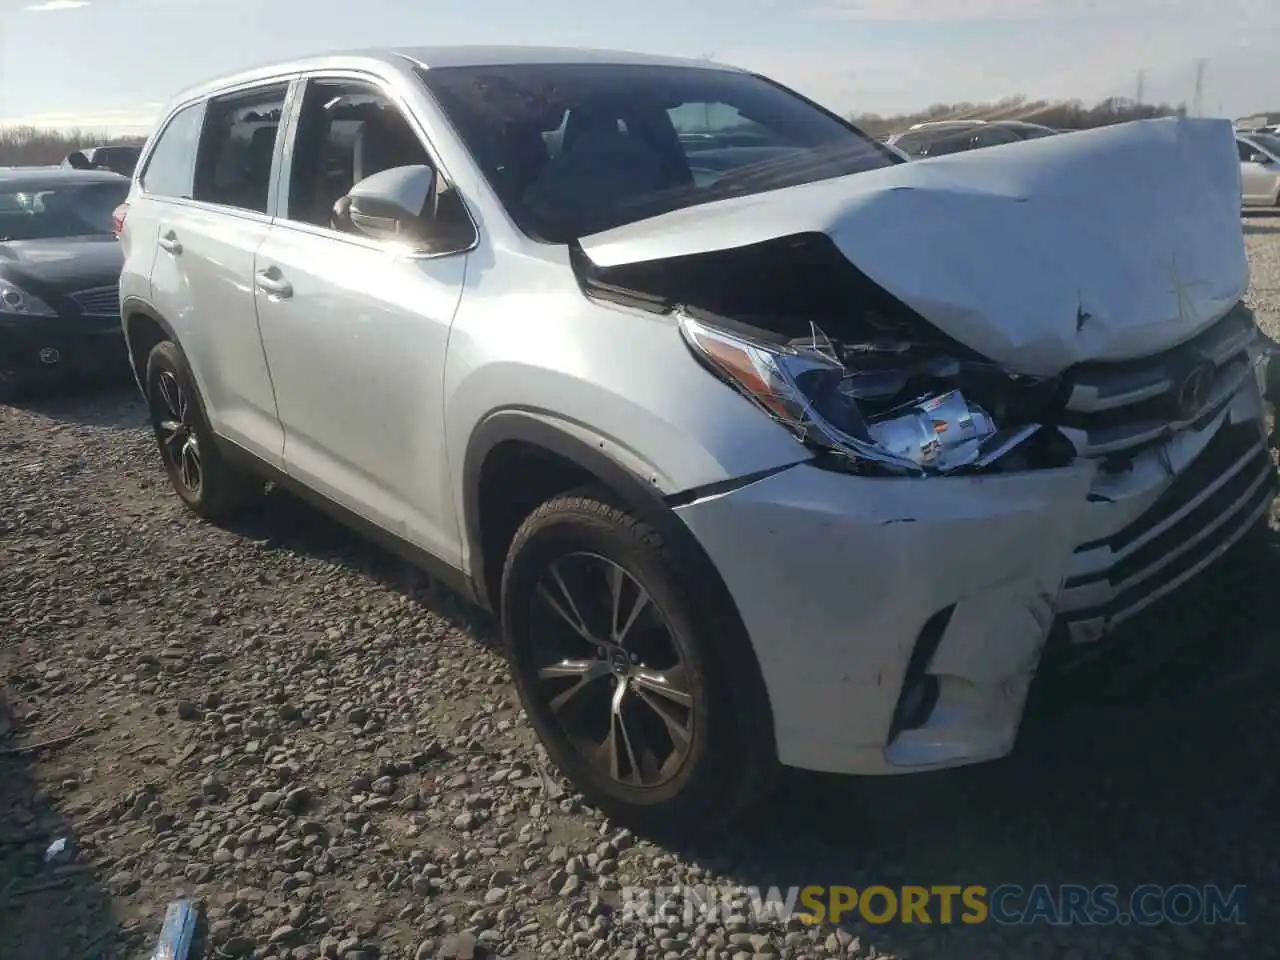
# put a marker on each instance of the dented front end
(1032, 395)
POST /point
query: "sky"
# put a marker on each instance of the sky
(109, 65)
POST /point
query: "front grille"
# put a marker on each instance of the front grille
(1205, 510)
(1117, 409)
(99, 301)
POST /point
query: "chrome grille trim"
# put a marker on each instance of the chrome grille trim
(1100, 387)
(1102, 441)
(1115, 408)
(1087, 627)
(1204, 510)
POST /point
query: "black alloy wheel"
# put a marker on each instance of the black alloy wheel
(614, 656)
(611, 670)
(201, 476)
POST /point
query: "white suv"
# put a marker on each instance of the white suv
(768, 447)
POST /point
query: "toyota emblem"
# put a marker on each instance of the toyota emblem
(1194, 392)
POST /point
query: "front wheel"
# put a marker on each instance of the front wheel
(615, 668)
(205, 480)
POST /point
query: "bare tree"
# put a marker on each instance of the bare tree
(33, 146)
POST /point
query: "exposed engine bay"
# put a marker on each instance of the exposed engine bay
(859, 376)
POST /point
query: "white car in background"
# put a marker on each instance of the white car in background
(1259, 169)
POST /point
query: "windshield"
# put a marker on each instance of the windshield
(47, 212)
(573, 149)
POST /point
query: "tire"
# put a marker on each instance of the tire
(723, 773)
(184, 436)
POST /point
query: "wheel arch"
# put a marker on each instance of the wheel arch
(538, 457)
(144, 327)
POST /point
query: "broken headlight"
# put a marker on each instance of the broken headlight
(807, 388)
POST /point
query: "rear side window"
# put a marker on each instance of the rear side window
(233, 167)
(170, 168)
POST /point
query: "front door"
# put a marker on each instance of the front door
(355, 331)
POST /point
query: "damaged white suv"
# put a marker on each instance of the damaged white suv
(766, 446)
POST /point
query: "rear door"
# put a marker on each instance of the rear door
(355, 330)
(202, 281)
(166, 179)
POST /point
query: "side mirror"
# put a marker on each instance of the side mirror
(390, 205)
(1261, 158)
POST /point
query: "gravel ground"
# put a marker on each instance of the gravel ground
(283, 722)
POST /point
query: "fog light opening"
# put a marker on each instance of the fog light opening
(917, 703)
(919, 695)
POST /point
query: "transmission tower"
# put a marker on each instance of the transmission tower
(1198, 102)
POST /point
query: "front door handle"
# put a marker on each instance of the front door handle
(169, 242)
(270, 282)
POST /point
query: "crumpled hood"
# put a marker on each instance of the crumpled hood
(1106, 244)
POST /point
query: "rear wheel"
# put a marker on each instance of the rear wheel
(205, 480)
(615, 667)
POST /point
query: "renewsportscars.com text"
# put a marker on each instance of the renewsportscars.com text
(1009, 904)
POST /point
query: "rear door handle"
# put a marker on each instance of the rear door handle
(270, 282)
(169, 242)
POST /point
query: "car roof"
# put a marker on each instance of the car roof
(50, 177)
(407, 57)
(944, 124)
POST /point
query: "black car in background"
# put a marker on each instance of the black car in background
(121, 158)
(60, 268)
(941, 137)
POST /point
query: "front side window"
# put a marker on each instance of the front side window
(57, 211)
(170, 169)
(233, 167)
(347, 131)
(572, 149)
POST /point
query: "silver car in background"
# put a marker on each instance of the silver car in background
(1259, 169)
(767, 447)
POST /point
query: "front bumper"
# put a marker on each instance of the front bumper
(855, 590)
(38, 349)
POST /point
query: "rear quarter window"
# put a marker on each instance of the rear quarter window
(170, 169)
